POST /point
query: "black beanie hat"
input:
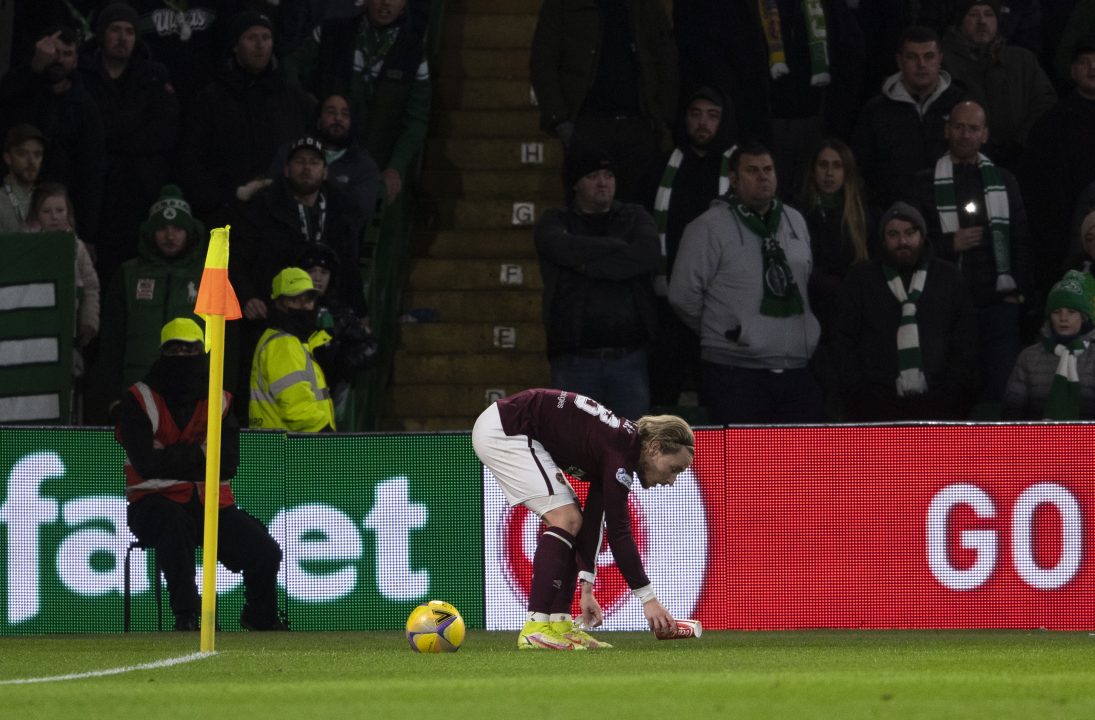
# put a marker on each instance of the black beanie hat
(582, 163)
(318, 255)
(963, 6)
(115, 12)
(248, 19)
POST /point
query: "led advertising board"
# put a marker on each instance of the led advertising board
(931, 526)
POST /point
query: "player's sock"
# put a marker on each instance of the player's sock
(563, 601)
(550, 569)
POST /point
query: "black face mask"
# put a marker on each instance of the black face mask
(300, 323)
(181, 377)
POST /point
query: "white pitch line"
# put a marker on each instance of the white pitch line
(112, 671)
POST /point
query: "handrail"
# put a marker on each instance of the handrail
(385, 268)
(388, 243)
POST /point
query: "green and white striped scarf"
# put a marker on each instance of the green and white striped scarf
(817, 35)
(996, 205)
(661, 206)
(910, 378)
(1064, 392)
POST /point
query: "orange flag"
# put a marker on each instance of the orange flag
(215, 294)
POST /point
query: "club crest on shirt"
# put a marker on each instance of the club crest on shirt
(623, 477)
(146, 288)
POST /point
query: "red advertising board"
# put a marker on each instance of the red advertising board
(915, 526)
(899, 527)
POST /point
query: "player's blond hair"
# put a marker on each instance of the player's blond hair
(668, 433)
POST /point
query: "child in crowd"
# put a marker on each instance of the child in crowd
(51, 211)
(1055, 379)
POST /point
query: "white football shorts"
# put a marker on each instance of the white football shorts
(523, 468)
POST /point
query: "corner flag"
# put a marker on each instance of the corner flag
(215, 293)
(216, 302)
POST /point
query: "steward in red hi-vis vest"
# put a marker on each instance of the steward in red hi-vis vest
(166, 434)
(162, 427)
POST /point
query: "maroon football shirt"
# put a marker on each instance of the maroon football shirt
(591, 444)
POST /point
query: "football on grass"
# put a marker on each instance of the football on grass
(435, 627)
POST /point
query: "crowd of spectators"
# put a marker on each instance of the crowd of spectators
(969, 121)
(136, 126)
(865, 210)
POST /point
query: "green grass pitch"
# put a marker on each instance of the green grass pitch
(842, 675)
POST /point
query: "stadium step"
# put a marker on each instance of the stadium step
(513, 243)
(443, 407)
(491, 214)
(472, 337)
(488, 31)
(463, 124)
(449, 368)
(492, 184)
(495, 7)
(493, 306)
(496, 63)
(487, 274)
(483, 94)
(541, 152)
(473, 330)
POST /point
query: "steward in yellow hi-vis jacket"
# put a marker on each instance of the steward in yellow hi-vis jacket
(288, 390)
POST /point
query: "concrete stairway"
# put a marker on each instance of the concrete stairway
(488, 172)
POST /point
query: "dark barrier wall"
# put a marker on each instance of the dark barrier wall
(877, 527)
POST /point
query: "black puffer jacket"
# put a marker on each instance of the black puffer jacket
(595, 279)
(269, 238)
(895, 139)
(140, 116)
(234, 130)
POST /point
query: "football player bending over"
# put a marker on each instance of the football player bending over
(529, 440)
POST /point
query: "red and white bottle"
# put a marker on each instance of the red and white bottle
(683, 629)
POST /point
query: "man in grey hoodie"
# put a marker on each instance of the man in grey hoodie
(900, 132)
(739, 281)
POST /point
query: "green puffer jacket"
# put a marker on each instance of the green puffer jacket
(143, 295)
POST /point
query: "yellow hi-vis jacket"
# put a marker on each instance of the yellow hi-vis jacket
(288, 389)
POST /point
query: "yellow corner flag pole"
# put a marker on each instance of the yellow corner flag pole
(216, 303)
